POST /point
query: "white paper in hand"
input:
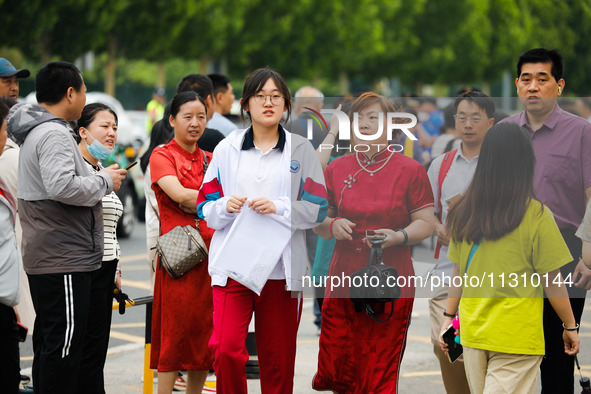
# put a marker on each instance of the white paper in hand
(252, 249)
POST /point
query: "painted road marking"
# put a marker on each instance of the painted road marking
(418, 338)
(421, 373)
(135, 268)
(128, 325)
(144, 285)
(135, 257)
(127, 337)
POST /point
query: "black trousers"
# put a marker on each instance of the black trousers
(71, 330)
(557, 368)
(96, 343)
(9, 354)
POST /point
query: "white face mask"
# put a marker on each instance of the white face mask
(98, 150)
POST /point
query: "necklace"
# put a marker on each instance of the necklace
(371, 172)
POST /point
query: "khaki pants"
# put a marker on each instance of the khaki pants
(491, 372)
(453, 374)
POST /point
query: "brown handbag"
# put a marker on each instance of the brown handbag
(181, 249)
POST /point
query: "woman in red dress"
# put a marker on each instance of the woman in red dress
(183, 308)
(379, 190)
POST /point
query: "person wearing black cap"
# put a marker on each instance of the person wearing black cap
(9, 77)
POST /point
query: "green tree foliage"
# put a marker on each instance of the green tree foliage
(418, 41)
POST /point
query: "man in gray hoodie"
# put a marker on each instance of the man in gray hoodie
(62, 219)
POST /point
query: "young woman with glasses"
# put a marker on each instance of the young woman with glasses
(276, 174)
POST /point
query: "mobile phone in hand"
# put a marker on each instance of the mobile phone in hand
(454, 350)
(371, 234)
(130, 166)
(22, 332)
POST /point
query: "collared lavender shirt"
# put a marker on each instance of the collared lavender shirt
(563, 164)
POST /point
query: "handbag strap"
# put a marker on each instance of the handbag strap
(373, 315)
(205, 162)
(472, 252)
(375, 254)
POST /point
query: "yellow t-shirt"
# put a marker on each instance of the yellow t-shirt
(502, 307)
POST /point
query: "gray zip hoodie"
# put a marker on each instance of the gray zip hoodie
(59, 199)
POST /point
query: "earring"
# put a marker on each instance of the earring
(559, 90)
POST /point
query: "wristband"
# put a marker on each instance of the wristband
(331, 223)
(405, 237)
(575, 328)
(448, 314)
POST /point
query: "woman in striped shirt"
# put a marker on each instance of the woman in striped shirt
(97, 134)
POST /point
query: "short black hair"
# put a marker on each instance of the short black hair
(198, 83)
(430, 100)
(89, 114)
(53, 81)
(220, 83)
(254, 84)
(183, 98)
(542, 55)
(481, 100)
(3, 112)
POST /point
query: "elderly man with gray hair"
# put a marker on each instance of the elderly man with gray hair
(307, 98)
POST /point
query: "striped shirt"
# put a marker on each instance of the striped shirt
(112, 211)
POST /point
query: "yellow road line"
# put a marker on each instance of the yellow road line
(145, 285)
(135, 257)
(135, 268)
(422, 373)
(127, 337)
(128, 325)
(417, 338)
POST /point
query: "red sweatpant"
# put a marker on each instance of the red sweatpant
(277, 317)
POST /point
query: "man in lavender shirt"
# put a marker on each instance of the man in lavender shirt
(562, 180)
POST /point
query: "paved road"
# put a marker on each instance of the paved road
(124, 367)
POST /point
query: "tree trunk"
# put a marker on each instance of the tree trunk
(161, 83)
(111, 66)
(203, 65)
(43, 46)
(343, 84)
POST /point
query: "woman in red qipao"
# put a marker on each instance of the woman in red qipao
(183, 308)
(379, 190)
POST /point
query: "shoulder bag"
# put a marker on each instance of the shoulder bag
(182, 248)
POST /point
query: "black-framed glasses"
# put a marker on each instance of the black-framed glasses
(474, 119)
(276, 99)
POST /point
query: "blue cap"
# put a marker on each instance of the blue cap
(160, 92)
(8, 70)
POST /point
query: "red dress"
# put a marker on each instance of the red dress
(358, 354)
(183, 308)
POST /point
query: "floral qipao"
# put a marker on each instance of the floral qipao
(358, 354)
